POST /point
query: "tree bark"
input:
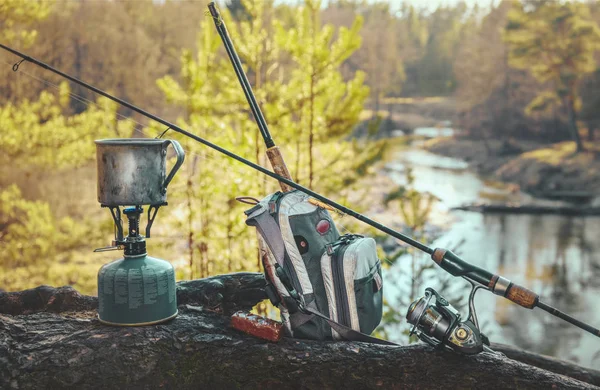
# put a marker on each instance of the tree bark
(573, 124)
(50, 338)
(549, 363)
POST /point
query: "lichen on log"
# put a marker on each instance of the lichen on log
(51, 338)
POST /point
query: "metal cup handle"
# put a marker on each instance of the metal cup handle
(180, 157)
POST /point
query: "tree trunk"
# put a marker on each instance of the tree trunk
(573, 124)
(50, 338)
(377, 95)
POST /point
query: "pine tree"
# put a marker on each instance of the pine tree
(210, 182)
(280, 65)
(556, 42)
(36, 136)
(328, 106)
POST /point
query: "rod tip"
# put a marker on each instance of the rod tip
(212, 7)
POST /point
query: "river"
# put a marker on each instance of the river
(556, 256)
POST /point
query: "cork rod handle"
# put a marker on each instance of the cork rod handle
(522, 296)
(276, 159)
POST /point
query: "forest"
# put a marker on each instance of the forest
(334, 80)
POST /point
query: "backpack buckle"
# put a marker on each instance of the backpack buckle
(273, 202)
(272, 207)
(271, 292)
(294, 301)
(285, 280)
(342, 240)
(330, 249)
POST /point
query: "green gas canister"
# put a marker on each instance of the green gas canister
(136, 289)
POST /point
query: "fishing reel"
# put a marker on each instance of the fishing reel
(436, 322)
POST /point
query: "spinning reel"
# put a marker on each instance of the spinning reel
(436, 322)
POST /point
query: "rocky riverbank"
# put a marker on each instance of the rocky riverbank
(548, 171)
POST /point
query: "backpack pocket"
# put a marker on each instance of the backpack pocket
(369, 299)
(353, 284)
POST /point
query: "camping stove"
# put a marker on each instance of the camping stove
(136, 289)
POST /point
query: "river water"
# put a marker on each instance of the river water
(558, 257)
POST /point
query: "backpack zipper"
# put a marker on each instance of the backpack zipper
(337, 270)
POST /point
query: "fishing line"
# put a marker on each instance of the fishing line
(88, 103)
(207, 156)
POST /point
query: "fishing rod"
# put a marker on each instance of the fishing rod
(447, 260)
(273, 152)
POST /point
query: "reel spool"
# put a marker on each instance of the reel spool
(439, 324)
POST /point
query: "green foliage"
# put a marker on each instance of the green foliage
(28, 228)
(415, 206)
(327, 106)
(52, 140)
(17, 17)
(33, 241)
(434, 39)
(203, 215)
(37, 136)
(556, 41)
(544, 102)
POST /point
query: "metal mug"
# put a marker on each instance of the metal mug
(132, 171)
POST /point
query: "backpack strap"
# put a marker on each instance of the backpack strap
(271, 234)
(344, 331)
(269, 230)
(290, 266)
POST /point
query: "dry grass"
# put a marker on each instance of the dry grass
(561, 153)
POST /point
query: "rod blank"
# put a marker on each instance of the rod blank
(239, 71)
(457, 265)
(555, 312)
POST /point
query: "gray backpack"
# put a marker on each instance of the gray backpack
(326, 286)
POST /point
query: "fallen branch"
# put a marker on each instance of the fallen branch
(529, 209)
(549, 363)
(57, 342)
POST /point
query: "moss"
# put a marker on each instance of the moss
(554, 155)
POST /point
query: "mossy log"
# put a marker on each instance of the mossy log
(50, 338)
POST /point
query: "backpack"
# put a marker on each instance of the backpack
(326, 286)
